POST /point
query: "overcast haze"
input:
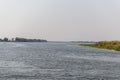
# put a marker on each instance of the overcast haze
(65, 20)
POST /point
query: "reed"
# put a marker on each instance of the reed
(112, 45)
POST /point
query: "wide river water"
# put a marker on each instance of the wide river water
(57, 61)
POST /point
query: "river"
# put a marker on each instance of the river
(57, 61)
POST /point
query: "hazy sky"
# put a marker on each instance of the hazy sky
(60, 19)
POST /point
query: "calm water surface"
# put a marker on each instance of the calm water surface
(57, 61)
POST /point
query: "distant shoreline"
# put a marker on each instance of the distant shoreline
(111, 45)
(17, 39)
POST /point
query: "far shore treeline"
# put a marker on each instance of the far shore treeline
(18, 39)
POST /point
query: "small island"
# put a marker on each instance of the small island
(112, 45)
(18, 39)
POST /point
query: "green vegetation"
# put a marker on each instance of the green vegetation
(112, 45)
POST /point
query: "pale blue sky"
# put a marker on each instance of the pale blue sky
(64, 20)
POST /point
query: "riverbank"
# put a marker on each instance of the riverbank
(112, 45)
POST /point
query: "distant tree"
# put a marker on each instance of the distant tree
(28, 40)
(5, 39)
(1, 40)
(13, 39)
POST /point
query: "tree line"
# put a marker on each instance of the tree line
(18, 39)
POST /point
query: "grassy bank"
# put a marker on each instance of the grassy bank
(112, 45)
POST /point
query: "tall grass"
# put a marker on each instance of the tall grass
(113, 45)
